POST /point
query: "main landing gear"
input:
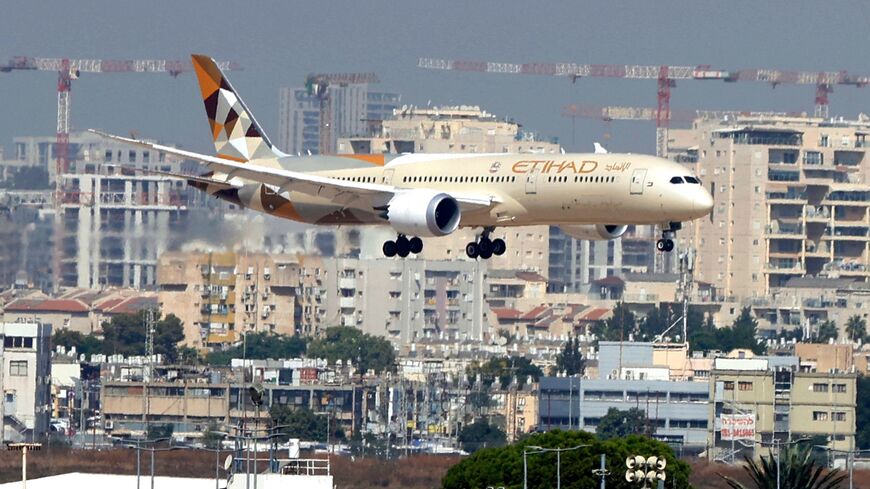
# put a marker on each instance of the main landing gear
(403, 246)
(485, 247)
(669, 231)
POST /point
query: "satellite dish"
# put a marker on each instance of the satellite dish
(228, 462)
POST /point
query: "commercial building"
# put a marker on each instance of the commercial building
(354, 108)
(25, 375)
(778, 402)
(792, 198)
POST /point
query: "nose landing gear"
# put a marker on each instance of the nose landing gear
(669, 231)
(402, 246)
(485, 247)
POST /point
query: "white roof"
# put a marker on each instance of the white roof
(111, 481)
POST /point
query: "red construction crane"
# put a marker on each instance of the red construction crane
(318, 86)
(666, 77)
(69, 70)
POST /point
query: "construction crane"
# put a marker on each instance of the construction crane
(666, 77)
(70, 69)
(318, 85)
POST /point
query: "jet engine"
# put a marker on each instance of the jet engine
(594, 232)
(423, 213)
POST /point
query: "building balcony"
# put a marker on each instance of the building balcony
(790, 197)
(347, 303)
(788, 268)
(347, 283)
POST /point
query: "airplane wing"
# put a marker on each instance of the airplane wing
(338, 191)
(191, 179)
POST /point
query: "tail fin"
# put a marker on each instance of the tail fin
(237, 136)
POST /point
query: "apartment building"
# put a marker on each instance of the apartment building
(221, 295)
(25, 375)
(792, 198)
(778, 401)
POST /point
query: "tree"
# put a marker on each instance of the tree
(618, 327)
(827, 332)
(856, 328)
(504, 369)
(261, 346)
(503, 466)
(302, 423)
(616, 423)
(742, 334)
(796, 468)
(367, 352)
(212, 437)
(85, 344)
(570, 361)
(125, 335)
(862, 414)
(655, 323)
(703, 336)
(479, 435)
(162, 432)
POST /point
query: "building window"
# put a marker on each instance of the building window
(820, 387)
(840, 388)
(729, 385)
(820, 416)
(839, 416)
(18, 368)
(744, 386)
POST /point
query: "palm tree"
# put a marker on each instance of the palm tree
(797, 470)
(856, 328)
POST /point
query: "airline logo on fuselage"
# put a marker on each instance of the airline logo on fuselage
(565, 166)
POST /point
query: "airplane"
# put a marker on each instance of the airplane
(593, 196)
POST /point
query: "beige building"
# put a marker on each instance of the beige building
(792, 198)
(786, 403)
(221, 295)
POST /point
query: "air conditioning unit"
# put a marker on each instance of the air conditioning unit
(109, 425)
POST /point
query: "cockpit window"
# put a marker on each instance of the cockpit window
(692, 180)
(677, 180)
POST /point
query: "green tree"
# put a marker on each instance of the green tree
(703, 336)
(827, 331)
(618, 327)
(304, 424)
(856, 328)
(212, 437)
(87, 344)
(741, 334)
(570, 361)
(655, 323)
(479, 435)
(261, 346)
(367, 352)
(125, 335)
(862, 415)
(162, 432)
(796, 468)
(504, 466)
(616, 423)
(504, 369)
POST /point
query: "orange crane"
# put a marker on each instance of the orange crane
(318, 85)
(70, 69)
(666, 76)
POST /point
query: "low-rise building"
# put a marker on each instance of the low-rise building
(25, 378)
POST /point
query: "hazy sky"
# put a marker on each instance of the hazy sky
(279, 42)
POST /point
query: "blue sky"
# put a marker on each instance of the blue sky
(279, 42)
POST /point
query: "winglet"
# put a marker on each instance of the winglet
(236, 133)
(599, 149)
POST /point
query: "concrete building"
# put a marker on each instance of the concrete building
(782, 402)
(354, 107)
(792, 198)
(25, 378)
(220, 296)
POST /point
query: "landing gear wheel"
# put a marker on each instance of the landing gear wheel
(498, 247)
(403, 246)
(390, 249)
(669, 245)
(665, 245)
(472, 250)
(416, 245)
(485, 248)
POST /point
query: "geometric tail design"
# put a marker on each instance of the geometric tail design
(237, 136)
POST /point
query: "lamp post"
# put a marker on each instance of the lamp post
(777, 445)
(602, 471)
(23, 448)
(850, 459)
(537, 449)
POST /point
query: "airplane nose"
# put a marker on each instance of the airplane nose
(703, 203)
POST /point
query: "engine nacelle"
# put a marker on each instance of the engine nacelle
(594, 232)
(423, 213)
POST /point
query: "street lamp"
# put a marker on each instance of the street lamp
(645, 470)
(23, 448)
(850, 459)
(537, 449)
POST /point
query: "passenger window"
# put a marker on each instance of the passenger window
(677, 180)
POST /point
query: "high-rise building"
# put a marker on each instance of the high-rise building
(791, 199)
(354, 108)
(25, 371)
